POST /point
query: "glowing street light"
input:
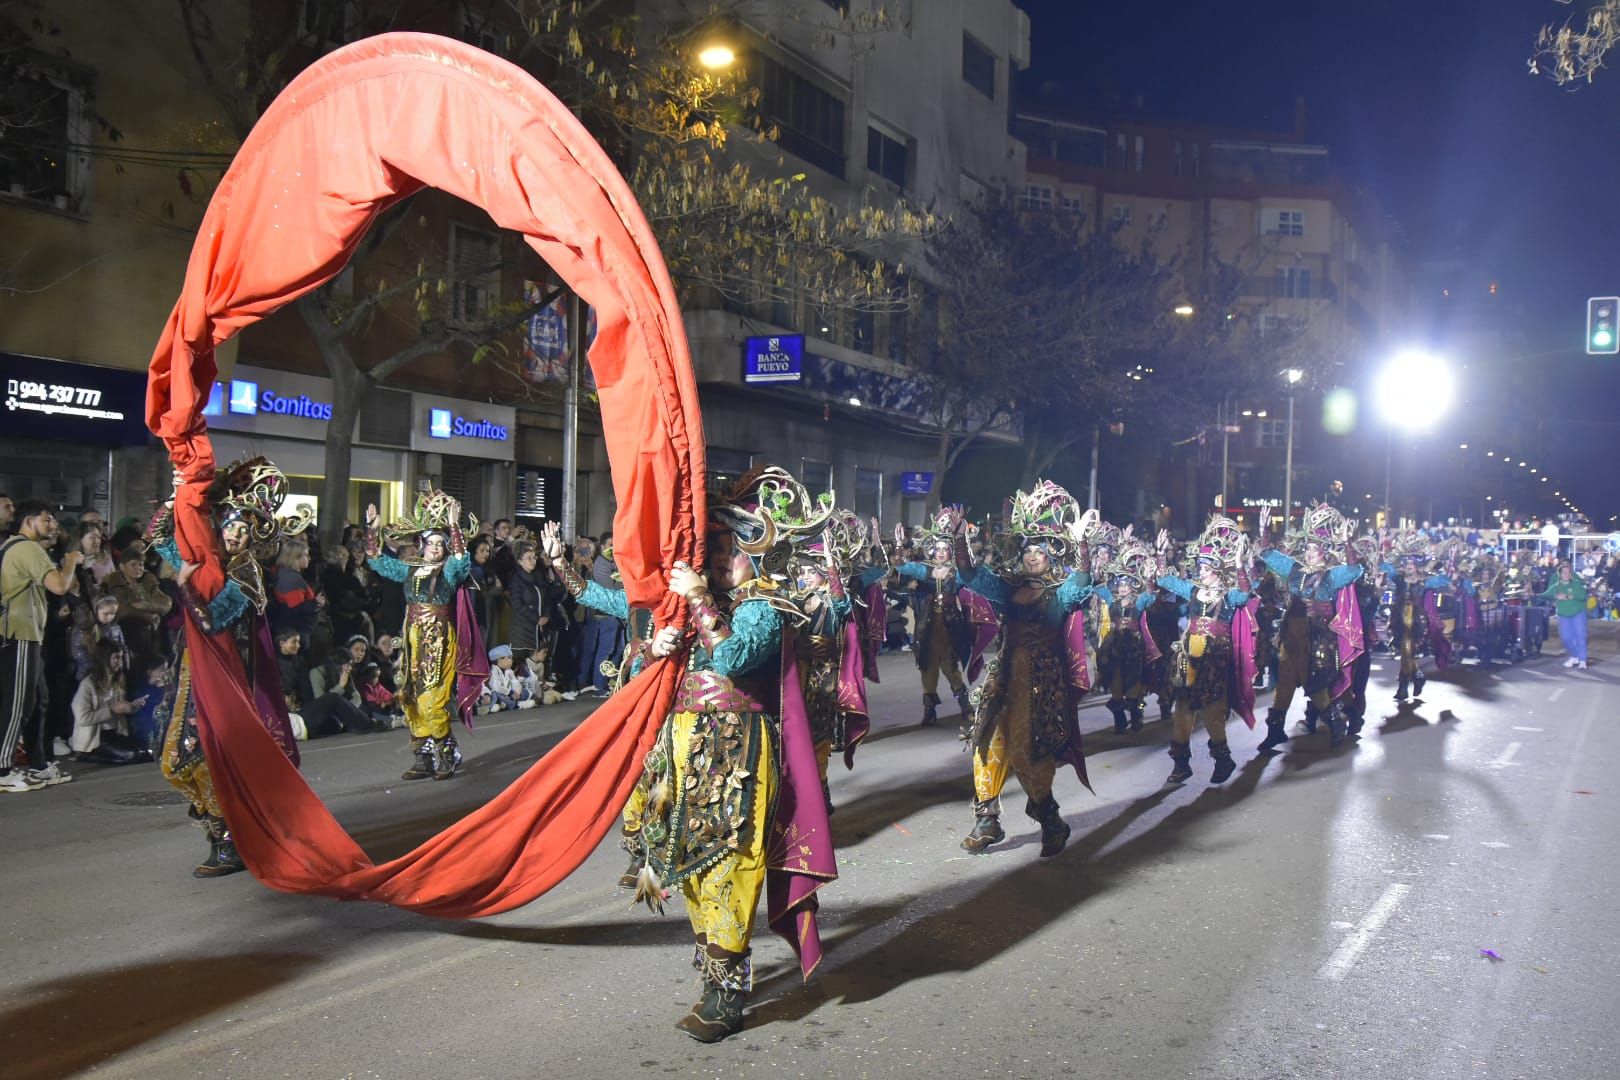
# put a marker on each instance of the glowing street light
(717, 57)
(1413, 392)
(1186, 311)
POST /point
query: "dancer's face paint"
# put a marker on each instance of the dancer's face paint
(235, 537)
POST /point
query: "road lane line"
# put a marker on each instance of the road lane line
(1507, 757)
(1556, 694)
(1345, 956)
(1518, 728)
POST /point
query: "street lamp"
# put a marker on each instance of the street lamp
(1413, 392)
(717, 56)
(1292, 376)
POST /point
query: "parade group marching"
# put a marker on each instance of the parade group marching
(1024, 616)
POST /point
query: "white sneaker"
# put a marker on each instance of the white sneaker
(1570, 661)
(49, 776)
(60, 748)
(1581, 666)
(527, 703)
(569, 695)
(17, 781)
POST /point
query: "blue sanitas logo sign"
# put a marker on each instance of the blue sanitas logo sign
(776, 359)
(444, 424)
(244, 398)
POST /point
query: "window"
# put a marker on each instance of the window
(1294, 282)
(863, 331)
(1158, 217)
(816, 476)
(1119, 151)
(1121, 216)
(1179, 165)
(868, 492)
(1141, 152)
(1285, 222)
(970, 189)
(46, 120)
(1036, 197)
(725, 467)
(1074, 204)
(978, 67)
(539, 494)
(477, 25)
(1197, 168)
(886, 154)
(809, 121)
(475, 274)
(1271, 325)
(1273, 434)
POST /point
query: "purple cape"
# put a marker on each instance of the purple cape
(1352, 641)
(852, 691)
(268, 697)
(472, 663)
(799, 851)
(982, 615)
(1240, 683)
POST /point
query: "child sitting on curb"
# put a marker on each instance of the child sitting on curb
(504, 689)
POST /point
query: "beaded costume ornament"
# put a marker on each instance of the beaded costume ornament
(771, 516)
(1046, 515)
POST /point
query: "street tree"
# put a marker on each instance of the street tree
(728, 228)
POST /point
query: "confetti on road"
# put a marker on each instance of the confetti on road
(902, 828)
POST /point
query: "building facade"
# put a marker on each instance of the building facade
(1314, 258)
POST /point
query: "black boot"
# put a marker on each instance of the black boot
(826, 796)
(426, 754)
(1400, 690)
(222, 856)
(965, 704)
(1418, 679)
(1275, 735)
(1137, 708)
(449, 758)
(986, 827)
(1313, 716)
(1357, 719)
(727, 978)
(1164, 709)
(930, 710)
(1338, 724)
(1054, 830)
(1224, 765)
(1181, 754)
(1117, 708)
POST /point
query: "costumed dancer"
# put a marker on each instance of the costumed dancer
(733, 798)
(1212, 665)
(1369, 595)
(613, 603)
(226, 597)
(1321, 633)
(445, 666)
(1415, 613)
(1026, 716)
(1125, 646)
(957, 624)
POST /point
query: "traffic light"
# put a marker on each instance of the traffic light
(1602, 331)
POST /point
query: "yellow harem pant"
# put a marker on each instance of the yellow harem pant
(1294, 665)
(1010, 745)
(192, 780)
(941, 658)
(430, 664)
(721, 900)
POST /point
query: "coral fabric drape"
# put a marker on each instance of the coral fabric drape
(351, 136)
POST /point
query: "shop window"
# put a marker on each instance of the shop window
(539, 494)
(726, 467)
(385, 418)
(47, 127)
(868, 492)
(816, 476)
(463, 480)
(886, 153)
(809, 121)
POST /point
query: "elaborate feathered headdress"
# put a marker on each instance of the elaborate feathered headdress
(772, 516)
(1221, 543)
(845, 537)
(1325, 525)
(1409, 545)
(1135, 562)
(1101, 534)
(251, 491)
(1044, 515)
(431, 516)
(941, 530)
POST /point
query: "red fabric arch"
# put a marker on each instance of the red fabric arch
(352, 135)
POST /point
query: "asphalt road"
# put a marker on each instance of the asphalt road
(1321, 915)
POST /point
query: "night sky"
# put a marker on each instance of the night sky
(1429, 105)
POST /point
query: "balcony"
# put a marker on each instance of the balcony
(1280, 288)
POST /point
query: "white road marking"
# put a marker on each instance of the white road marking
(1507, 757)
(1517, 728)
(1345, 956)
(1556, 694)
(1494, 844)
(1436, 836)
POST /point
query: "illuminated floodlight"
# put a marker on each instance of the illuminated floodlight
(1186, 310)
(717, 57)
(1414, 390)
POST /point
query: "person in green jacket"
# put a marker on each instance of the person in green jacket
(1570, 593)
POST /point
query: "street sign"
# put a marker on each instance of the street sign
(916, 483)
(778, 358)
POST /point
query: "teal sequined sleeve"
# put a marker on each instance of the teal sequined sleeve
(169, 552)
(1076, 590)
(608, 601)
(1180, 586)
(226, 608)
(988, 584)
(389, 567)
(756, 638)
(916, 571)
(871, 576)
(456, 569)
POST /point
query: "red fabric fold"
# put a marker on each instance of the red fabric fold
(351, 136)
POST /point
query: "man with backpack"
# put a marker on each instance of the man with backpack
(26, 575)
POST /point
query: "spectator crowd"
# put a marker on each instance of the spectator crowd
(92, 618)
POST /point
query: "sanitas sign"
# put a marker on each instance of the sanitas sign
(444, 424)
(246, 399)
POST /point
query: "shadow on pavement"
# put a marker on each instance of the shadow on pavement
(70, 1024)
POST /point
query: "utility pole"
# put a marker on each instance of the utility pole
(570, 492)
(1096, 449)
(1288, 469)
(1226, 440)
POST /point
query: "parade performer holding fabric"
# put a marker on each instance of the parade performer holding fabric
(1415, 614)
(227, 600)
(1321, 634)
(734, 792)
(1212, 666)
(445, 664)
(1026, 716)
(1369, 595)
